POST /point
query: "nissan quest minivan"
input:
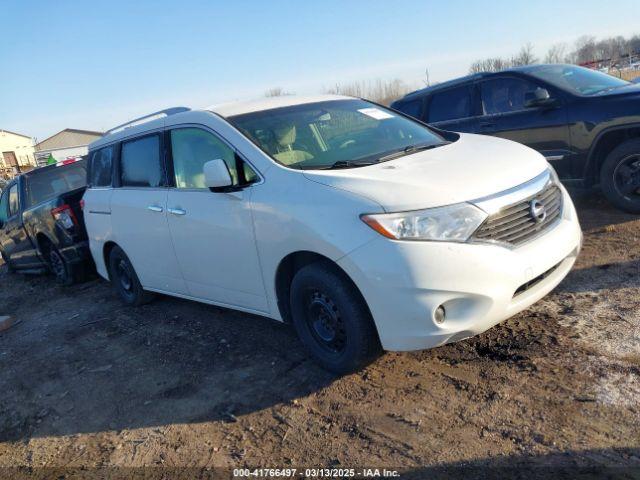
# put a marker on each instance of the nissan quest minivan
(362, 227)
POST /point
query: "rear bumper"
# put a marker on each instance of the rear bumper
(479, 285)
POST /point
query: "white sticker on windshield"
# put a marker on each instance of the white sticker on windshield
(375, 113)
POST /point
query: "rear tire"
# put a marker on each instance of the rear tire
(125, 280)
(332, 319)
(62, 271)
(620, 176)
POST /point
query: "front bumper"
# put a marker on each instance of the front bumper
(403, 283)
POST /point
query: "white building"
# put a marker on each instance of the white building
(16, 153)
(68, 143)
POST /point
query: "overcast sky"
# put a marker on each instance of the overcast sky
(91, 65)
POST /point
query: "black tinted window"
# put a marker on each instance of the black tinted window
(4, 206)
(411, 107)
(450, 105)
(45, 184)
(100, 167)
(140, 163)
(502, 95)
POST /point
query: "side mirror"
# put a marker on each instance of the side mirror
(216, 175)
(537, 98)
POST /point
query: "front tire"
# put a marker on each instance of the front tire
(332, 319)
(125, 280)
(620, 176)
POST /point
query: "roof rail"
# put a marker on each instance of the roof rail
(147, 118)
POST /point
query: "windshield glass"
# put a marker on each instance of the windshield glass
(46, 184)
(578, 80)
(334, 134)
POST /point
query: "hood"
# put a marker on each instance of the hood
(474, 166)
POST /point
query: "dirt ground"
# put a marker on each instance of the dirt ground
(86, 381)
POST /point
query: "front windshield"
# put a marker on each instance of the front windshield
(334, 134)
(580, 80)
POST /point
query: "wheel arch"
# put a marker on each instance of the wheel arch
(43, 242)
(604, 143)
(290, 265)
(106, 252)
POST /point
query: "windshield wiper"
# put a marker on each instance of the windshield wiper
(348, 164)
(411, 149)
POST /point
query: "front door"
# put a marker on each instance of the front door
(544, 129)
(139, 216)
(212, 232)
(16, 245)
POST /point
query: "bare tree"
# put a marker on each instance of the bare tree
(525, 56)
(633, 44)
(556, 53)
(276, 92)
(608, 52)
(494, 64)
(585, 49)
(380, 91)
(427, 81)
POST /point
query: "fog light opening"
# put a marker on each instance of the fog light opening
(439, 315)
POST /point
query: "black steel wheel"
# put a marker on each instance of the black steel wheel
(325, 322)
(332, 318)
(125, 280)
(626, 176)
(620, 176)
(59, 267)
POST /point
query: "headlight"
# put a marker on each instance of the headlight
(453, 223)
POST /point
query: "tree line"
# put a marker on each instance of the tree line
(587, 49)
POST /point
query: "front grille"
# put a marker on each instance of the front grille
(514, 224)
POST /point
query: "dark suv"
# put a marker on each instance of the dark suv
(586, 123)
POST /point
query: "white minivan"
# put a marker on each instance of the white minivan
(364, 228)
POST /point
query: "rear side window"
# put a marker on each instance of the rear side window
(14, 203)
(412, 108)
(450, 105)
(140, 162)
(43, 184)
(100, 167)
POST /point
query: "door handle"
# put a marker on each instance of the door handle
(154, 208)
(176, 211)
(487, 125)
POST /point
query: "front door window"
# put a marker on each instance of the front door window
(504, 95)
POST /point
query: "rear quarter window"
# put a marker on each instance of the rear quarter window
(100, 167)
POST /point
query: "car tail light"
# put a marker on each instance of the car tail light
(82, 204)
(64, 216)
